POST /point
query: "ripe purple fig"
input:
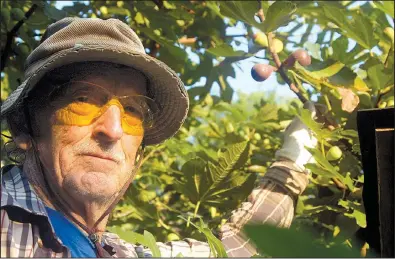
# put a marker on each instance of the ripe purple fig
(261, 72)
(302, 57)
(299, 55)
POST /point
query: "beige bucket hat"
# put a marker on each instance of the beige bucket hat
(75, 39)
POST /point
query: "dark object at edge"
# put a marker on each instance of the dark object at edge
(376, 136)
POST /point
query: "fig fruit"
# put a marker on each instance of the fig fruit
(334, 153)
(17, 14)
(390, 103)
(278, 45)
(261, 39)
(261, 72)
(104, 10)
(172, 237)
(257, 136)
(299, 55)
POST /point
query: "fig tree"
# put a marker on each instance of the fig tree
(261, 72)
(261, 39)
(334, 153)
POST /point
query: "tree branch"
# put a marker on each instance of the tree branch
(260, 13)
(387, 58)
(186, 41)
(11, 34)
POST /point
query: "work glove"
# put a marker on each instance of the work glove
(297, 136)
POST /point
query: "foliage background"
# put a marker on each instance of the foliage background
(211, 165)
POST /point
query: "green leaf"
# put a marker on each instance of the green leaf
(223, 106)
(324, 163)
(319, 170)
(242, 11)
(310, 210)
(129, 236)
(196, 180)
(267, 112)
(225, 50)
(333, 74)
(358, 27)
(215, 244)
(377, 77)
(357, 211)
(328, 71)
(217, 174)
(279, 242)
(169, 5)
(54, 13)
(151, 244)
(386, 6)
(176, 52)
(313, 48)
(279, 14)
(317, 128)
(349, 182)
(233, 154)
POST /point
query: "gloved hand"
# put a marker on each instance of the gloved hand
(296, 136)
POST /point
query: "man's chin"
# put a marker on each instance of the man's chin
(95, 187)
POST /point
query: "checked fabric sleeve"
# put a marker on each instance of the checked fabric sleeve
(272, 202)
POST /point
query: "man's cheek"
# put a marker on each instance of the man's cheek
(130, 147)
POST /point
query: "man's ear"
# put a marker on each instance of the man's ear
(19, 132)
(23, 141)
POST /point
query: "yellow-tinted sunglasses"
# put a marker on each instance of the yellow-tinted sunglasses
(80, 103)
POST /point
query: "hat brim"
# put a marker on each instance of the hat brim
(166, 88)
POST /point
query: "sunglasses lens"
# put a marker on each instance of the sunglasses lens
(81, 103)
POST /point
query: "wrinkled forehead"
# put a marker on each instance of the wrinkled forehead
(120, 83)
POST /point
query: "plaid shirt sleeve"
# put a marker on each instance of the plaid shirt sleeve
(272, 203)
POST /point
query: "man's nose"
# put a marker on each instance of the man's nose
(108, 127)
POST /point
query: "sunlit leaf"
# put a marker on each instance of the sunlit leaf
(225, 50)
(386, 6)
(278, 14)
(357, 27)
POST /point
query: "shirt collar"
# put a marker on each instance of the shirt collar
(16, 191)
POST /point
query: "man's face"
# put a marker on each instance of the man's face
(90, 163)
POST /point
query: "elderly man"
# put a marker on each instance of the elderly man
(90, 101)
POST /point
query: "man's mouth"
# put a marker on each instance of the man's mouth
(102, 156)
